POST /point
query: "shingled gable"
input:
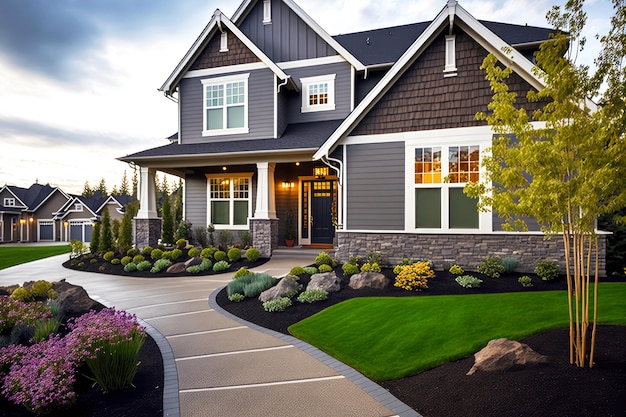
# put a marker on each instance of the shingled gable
(247, 5)
(452, 14)
(218, 23)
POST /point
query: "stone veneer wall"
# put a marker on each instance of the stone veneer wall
(466, 250)
(264, 235)
(146, 232)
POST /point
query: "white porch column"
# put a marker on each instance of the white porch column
(265, 195)
(147, 194)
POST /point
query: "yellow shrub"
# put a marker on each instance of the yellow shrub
(414, 277)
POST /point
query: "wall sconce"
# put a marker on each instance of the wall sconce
(22, 222)
(30, 219)
(287, 184)
(224, 168)
(320, 172)
(65, 224)
(297, 164)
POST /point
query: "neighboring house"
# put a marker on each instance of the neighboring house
(365, 140)
(28, 214)
(80, 213)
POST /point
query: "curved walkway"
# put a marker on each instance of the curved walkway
(219, 365)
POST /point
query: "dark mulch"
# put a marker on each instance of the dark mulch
(556, 389)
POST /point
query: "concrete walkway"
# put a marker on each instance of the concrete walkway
(219, 365)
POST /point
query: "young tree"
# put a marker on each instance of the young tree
(135, 184)
(106, 237)
(95, 239)
(87, 190)
(125, 240)
(167, 234)
(124, 185)
(569, 167)
(178, 203)
(102, 187)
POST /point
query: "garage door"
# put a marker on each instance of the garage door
(46, 230)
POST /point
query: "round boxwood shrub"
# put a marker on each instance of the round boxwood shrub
(156, 254)
(219, 255)
(242, 272)
(166, 255)
(175, 254)
(221, 266)
(126, 260)
(209, 253)
(205, 265)
(350, 269)
(41, 288)
(193, 252)
(181, 243)
(234, 254)
(108, 256)
(138, 258)
(253, 254)
(297, 271)
(310, 270)
(325, 268)
(144, 265)
(21, 294)
(323, 259)
(115, 261)
(491, 266)
(130, 267)
(547, 270)
(147, 250)
(132, 252)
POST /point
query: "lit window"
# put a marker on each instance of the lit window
(318, 93)
(229, 200)
(225, 105)
(428, 165)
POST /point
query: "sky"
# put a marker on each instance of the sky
(79, 79)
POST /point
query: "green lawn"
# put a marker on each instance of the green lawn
(389, 338)
(15, 255)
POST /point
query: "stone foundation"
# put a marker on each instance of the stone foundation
(264, 235)
(146, 232)
(468, 251)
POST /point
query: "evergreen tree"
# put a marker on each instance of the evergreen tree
(124, 185)
(178, 203)
(95, 239)
(167, 235)
(102, 187)
(87, 190)
(115, 229)
(135, 184)
(106, 237)
(125, 241)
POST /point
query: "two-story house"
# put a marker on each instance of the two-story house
(363, 141)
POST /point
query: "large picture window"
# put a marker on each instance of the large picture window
(225, 105)
(441, 173)
(229, 200)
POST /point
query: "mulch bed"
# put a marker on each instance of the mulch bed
(556, 389)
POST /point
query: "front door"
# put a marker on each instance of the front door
(318, 208)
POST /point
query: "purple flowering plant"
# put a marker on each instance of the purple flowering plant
(14, 313)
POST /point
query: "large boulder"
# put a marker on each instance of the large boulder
(369, 279)
(73, 299)
(177, 268)
(504, 354)
(327, 281)
(8, 290)
(196, 260)
(286, 287)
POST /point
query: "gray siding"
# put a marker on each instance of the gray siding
(497, 223)
(283, 105)
(195, 200)
(260, 108)
(375, 181)
(343, 91)
(287, 38)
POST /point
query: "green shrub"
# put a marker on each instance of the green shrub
(377, 258)
(138, 258)
(193, 252)
(21, 294)
(176, 253)
(296, 271)
(253, 254)
(156, 254)
(45, 327)
(205, 265)
(42, 289)
(93, 261)
(101, 268)
(166, 255)
(510, 264)
(160, 265)
(209, 253)
(547, 270)
(414, 277)
(144, 266)
(456, 270)
(251, 285)
(194, 269)
(350, 269)
(311, 296)
(132, 252)
(468, 281)
(367, 267)
(116, 261)
(130, 267)
(526, 281)
(126, 260)
(81, 265)
(325, 268)
(323, 259)
(236, 286)
(278, 305)
(242, 272)
(236, 297)
(234, 254)
(181, 243)
(491, 266)
(310, 270)
(108, 256)
(219, 255)
(147, 250)
(221, 266)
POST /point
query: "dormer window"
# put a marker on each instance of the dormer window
(318, 93)
(450, 64)
(78, 207)
(9, 202)
(267, 12)
(224, 42)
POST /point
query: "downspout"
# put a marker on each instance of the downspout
(283, 84)
(327, 161)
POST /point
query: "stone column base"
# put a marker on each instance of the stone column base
(264, 235)
(146, 232)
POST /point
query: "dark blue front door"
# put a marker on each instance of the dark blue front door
(322, 229)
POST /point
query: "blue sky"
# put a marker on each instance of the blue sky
(80, 77)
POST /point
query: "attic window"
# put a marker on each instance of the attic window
(224, 42)
(267, 11)
(78, 207)
(450, 68)
(9, 202)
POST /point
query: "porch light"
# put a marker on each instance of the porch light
(297, 164)
(65, 223)
(22, 222)
(320, 172)
(287, 184)
(224, 168)
(31, 219)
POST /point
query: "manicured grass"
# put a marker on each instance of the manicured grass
(389, 338)
(15, 255)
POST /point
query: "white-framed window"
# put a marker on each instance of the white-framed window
(318, 93)
(225, 107)
(450, 64)
(9, 202)
(229, 200)
(78, 207)
(224, 42)
(267, 11)
(439, 170)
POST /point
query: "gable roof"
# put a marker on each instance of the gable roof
(453, 13)
(33, 197)
(94, 204)
(207, 34)
(246, 6)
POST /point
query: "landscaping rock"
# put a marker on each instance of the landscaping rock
(327, 281)
(196, 260)
(73, 298)
(8, 290)
(286, 287)
(177, 268)
(504, 354)
(369, 279)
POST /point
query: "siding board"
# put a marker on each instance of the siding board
(196, 200)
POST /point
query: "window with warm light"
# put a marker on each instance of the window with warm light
(229, 200)
(318, 93)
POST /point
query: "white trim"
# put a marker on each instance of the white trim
(329, 81)
(267, 12)
(231, 211)
(9, 202)
(46, 222)
(450, 56)
(275, 136)
(305, 63)
(223, 81)
(224, 42)
(208, 72)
